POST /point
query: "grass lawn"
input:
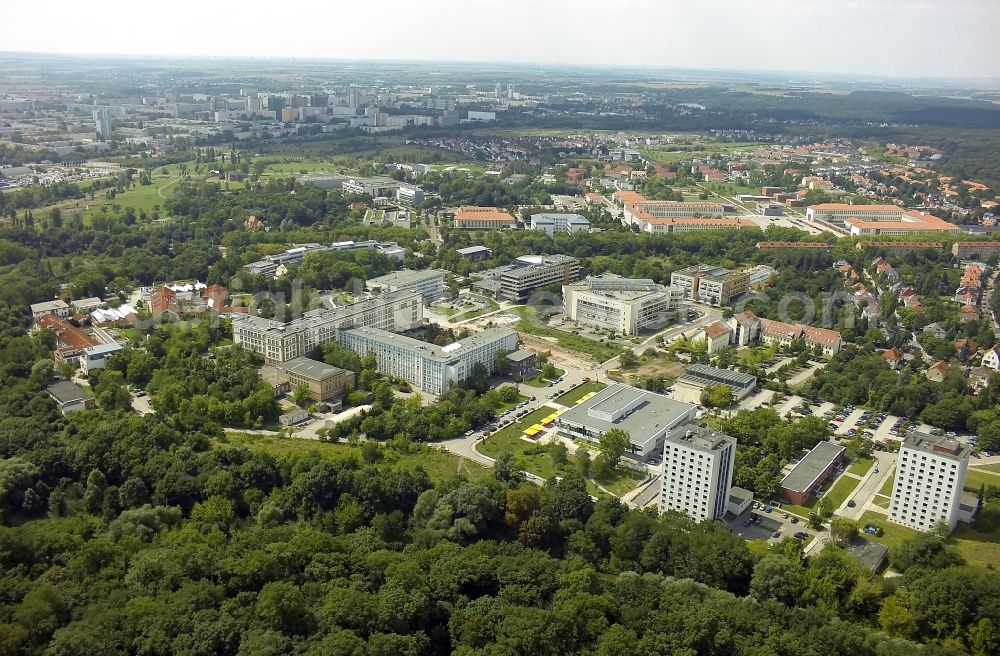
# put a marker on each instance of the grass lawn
(995, 467)
(598, 351)
(978, 549)
(803, 510)
(886, 490)
(507, 406)
(881, 501)
(508, 438)
(841, 490)
(540, 464)
(894, 535)
(977, 478)
(571, 397)
(438, 463)
(861, 466)
(538, 381)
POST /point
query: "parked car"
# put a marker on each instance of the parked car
(795, 520)
(851, 504)
(776, 534)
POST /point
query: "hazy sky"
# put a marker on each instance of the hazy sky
(941, 38)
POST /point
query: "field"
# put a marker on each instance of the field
(977, 549)
(538, 381)
(571, 397)
(841, 490)
(598, 351)
(994, 467)
(861, 466)
(976, 479)
(886, 490)
(438, 463)
(538, 462)
(894, 535)
(803, 510)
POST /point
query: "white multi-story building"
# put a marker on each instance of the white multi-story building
(429, 283)
(57, 308)
(434, 369)
(930, 476)
(533, 271)
(624, 305)
(282, 341)
(697, 472)
(553, 223)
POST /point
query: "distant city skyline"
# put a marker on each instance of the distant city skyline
(891, 38)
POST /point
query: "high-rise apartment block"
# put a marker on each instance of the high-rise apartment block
(697, 472)
(930, 475)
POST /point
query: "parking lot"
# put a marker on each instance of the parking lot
(755, 524)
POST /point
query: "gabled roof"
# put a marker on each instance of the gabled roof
(716, 330)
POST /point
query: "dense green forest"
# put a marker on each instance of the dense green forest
(127, 534)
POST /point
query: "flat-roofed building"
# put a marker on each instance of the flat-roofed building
(623, 305)
(794, 245)
(475, 252)
(434, 369)
(644, 415)
(533, 271)
(522, 362)
(702, 376)
(809, 474)
(55, 308)
(281, 341)
(930, 477)
(428, 283)
(715, 285)
(553, 223)
(739, 500)
(697, 472)
(96, 357)
(469, 217)
(324, 381)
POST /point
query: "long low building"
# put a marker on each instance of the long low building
(965, 250)
(796, 245)
(871, 220)
(747, 328)
(623, 305)
(679, 224)
(702, 376)
(644, 415)
(469, 217)
(899, 247)
(434, 369)
(809, 474)
(281, 341)
(428, 283)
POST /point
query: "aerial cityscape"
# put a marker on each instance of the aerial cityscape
(314, 348)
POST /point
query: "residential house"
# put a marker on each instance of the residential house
(937, 372)
(894, 357)
(969, 313)
(991, 359)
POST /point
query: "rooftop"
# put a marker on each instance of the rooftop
(552, 217)
(650, 413)
(939, 445)
(406, 277)
(699, 437)
(445, 353)
(472, 213)
(520, 355)
(805, 473)
(48, 306)
(311, 368)
(66, 391)
(735, 379)
(472, 250)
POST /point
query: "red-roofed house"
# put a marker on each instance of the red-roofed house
(969, 313)
(894, 357)
(717, 335)
(937, 372)
(163, 300)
